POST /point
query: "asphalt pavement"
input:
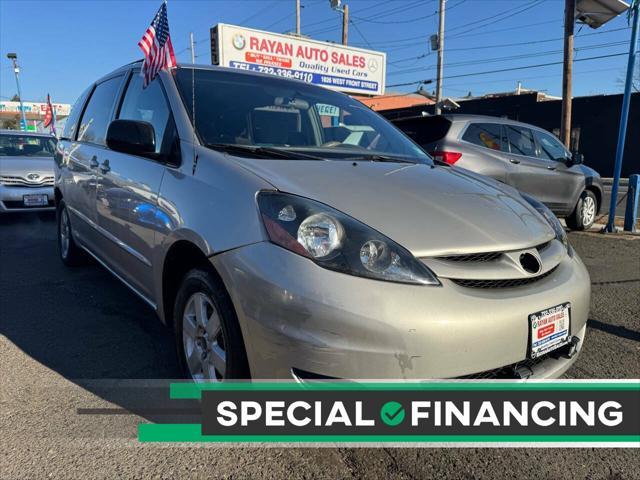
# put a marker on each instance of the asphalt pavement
(67, 336)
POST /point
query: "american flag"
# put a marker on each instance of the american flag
(157, 48)
(50, 116)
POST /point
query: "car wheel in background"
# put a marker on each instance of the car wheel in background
(585, 212)
(208, 338)
(70, 253)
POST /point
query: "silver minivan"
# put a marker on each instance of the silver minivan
(521, 155)
(286, 231)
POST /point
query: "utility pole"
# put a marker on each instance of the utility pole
(440, 58)
(192, 48)
(567, 72)
(344, 10)
(345, 24)
(16, 69)
(298, 17)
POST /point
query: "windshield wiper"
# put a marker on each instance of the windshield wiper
(374, 157)
(263, 152)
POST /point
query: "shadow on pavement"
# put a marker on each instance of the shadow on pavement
(617, 330)
(81, 322)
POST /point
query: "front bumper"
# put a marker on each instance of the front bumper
(295, 314)
(11, 198)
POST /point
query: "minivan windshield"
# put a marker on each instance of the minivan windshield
(16, 145)
(268, 113)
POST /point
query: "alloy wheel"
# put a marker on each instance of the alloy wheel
(202, 339)
(588, 210)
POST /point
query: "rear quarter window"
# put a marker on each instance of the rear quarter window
(425, 130)
(487, 135)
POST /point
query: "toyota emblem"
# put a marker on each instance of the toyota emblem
(530, 263)
(33, 177)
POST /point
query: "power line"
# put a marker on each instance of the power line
(511, 69)
(258, 13)
(291, 14)
(412, 20)
(410, 41)
(372, 17)
(533, 42)
(396, 22)
(513, 57)
(513, 79)
(515, 27)
(360, 33)
(327, 20)
(512, 12)
(251, 17)
(286, 17)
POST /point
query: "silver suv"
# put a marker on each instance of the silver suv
(521, 155)
(287, 231)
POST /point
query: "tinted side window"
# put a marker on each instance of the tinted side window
(549, 147)
(97, 115)
(488, 135)
(425, 130)
(149, 105)
(521, 140)
(71, 123)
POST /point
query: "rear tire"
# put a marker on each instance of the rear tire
(70, 253)
(207, 333)
(584, 215)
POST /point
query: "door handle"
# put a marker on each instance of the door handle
(551, 167)
(104, 168)
(93, 163)
(514, 160)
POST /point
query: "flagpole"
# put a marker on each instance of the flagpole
(53, 124)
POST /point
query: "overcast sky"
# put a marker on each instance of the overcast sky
(62, 46)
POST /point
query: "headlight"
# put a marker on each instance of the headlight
(550, 217)
(338, 242)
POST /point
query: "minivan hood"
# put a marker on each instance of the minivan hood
(429, 210)
(21, 166)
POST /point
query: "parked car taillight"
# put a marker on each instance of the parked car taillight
(447, 157)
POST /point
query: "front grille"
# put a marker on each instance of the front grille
(14, 181)
(473, 257)
(509, 283)
(13, 204)
(484, 256)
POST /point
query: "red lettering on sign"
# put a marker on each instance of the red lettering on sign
(270, 46)
(348, 59)
(312, 53)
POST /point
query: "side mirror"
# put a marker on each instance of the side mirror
(131, 136)
(576, 158)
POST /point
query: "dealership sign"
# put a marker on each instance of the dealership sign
(346, 69)
(37, 108)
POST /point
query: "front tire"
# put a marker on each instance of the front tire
(207, 334)
(584, 215)
(70, 253)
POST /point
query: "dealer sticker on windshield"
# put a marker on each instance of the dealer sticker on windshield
(549, 329)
